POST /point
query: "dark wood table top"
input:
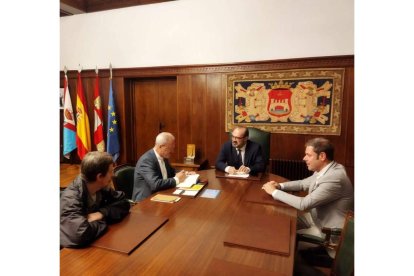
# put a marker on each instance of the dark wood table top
(190, 240)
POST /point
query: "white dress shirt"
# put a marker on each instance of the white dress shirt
(162, 165)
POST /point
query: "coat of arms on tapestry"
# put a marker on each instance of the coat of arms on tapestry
(302, 101)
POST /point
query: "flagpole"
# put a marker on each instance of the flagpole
(110, 71)
(65, 69)
(79, 69)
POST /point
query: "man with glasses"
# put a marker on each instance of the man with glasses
(240, 154)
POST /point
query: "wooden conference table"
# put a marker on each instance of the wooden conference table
(191, 238)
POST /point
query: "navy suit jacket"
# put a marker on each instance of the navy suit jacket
(253, 157)
(148, 176)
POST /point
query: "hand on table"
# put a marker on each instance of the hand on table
(270, 186)
(244, 169)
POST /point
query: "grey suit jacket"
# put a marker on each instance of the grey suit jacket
(328, 200)
(148, 177)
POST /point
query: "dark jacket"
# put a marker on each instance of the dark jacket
(148, 177)
(75, 230)
(253, 157)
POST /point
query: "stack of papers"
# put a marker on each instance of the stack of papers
(189, 181)
(190, 191)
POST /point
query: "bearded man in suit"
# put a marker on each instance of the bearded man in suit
(240, 154)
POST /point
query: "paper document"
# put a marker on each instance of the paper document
(239, 174)
(189, 181)
(210, 193)
(190, 193)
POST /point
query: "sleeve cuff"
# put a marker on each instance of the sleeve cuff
(104, 212)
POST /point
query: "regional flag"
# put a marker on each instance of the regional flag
(69, 128)
(98, 126)
(113, 141)
(83, 133)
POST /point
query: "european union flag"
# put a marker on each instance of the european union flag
(113, 140)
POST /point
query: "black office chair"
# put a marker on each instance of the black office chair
(343, 264)
(263, 139)
(124, 179)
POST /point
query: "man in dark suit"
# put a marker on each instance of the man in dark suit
(240, 154)
(153, 172)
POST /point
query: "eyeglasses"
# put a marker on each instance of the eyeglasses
(235, 137)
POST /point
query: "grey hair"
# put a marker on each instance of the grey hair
(163, 138)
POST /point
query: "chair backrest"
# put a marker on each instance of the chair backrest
(124, 179)
(262, 138)
(344, 259)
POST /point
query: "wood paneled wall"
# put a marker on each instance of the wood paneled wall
(201, 101)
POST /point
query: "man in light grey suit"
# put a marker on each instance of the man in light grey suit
(153, 172)
(330, 192)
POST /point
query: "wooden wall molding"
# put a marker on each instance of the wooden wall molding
(201, 118)
(336, 61)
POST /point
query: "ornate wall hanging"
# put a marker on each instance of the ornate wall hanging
(305, 101)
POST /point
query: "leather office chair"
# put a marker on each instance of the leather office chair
(124, 179)
(262, 138)
(343, 264)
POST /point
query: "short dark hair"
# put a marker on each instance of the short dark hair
(95, 163)
(322, 145)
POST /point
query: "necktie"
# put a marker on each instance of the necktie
(239, 158)
(163, 169)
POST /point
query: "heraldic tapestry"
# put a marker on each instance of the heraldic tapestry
(306, 101)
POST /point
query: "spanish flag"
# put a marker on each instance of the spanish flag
(83, 136)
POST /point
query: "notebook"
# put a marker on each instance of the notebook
(165, 198)
(190, 191)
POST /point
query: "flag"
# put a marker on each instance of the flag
(113, 141)
(83, 133)
(98, 127)
(69, 128)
